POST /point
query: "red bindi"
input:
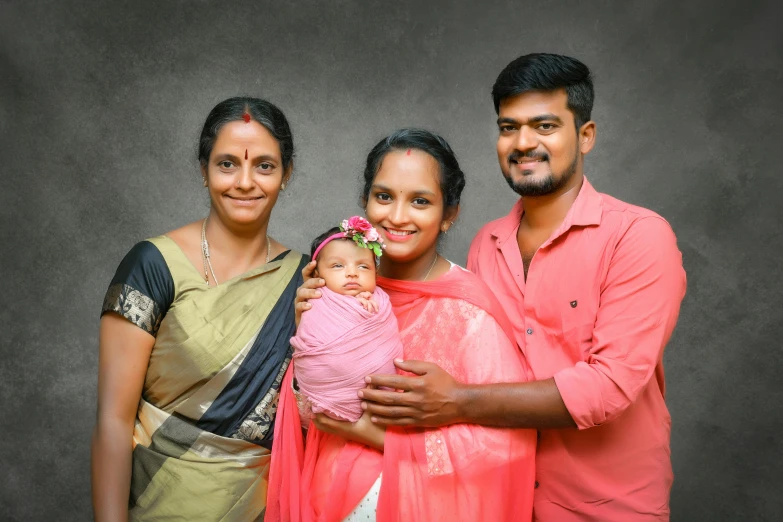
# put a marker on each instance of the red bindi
(245, 153)
(246, 117)
(408, 153)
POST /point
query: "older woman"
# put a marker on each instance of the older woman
(194, 340)
(351, 472)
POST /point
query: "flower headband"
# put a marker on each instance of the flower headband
(361, 232)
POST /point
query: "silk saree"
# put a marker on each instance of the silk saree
(205, 423)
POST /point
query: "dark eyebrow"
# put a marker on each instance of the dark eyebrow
(535, 119)
(377, 186)
(265, 157)
(221, 157)
(235, 159)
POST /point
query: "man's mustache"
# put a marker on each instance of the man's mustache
(518, 156)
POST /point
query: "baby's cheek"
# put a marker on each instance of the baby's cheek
(333, 285)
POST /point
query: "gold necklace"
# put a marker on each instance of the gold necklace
(434, 261)
(408, 317)
(205, 253)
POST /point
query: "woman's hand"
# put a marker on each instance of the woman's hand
(362, 431)
(308, 290)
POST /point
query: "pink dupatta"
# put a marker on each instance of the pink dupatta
(461, 472)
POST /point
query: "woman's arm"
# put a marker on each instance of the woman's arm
(362, 431)
(124, 353)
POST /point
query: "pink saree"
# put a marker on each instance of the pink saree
(454, 473)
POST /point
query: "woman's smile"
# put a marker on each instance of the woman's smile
(244, 201)
(395, 234)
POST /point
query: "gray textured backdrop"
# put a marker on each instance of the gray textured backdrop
(101, 106)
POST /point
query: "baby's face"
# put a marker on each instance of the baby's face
(347, 268)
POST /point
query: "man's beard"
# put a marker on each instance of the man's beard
(549, 184)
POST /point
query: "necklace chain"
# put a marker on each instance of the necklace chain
(205, 257)
(434, 261)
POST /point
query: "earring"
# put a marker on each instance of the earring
(205, 182)
(282, 186)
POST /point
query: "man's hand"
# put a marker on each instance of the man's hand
(308, 290)
(431, 398)
(362, 431)
(367, 301)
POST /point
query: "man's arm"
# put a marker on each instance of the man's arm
(434, 398)
(640, 303)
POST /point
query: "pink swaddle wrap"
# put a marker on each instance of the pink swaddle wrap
(338, 343)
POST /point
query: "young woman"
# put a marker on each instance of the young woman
(194, 340)
(358, 471)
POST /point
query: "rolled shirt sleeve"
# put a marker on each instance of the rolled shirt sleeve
(640, 302)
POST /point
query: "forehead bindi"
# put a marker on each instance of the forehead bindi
(243, 140)
(408, 172)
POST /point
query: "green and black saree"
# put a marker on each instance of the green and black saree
(204, 427)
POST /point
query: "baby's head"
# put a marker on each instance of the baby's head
(346, 257)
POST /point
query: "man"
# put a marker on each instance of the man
(593, 286)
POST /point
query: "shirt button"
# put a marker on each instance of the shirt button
(535, 486)
(530, 331)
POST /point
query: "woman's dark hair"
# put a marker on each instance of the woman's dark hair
(548, 72)
(452, 179)
(234, 109)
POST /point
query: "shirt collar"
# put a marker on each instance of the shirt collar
(586, 210)
(587, 207)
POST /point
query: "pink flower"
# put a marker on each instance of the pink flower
(359, 224)
(372, 235)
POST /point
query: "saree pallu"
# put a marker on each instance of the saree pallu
(204, 427)
(460, 472)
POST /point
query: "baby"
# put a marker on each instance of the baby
(350, 332)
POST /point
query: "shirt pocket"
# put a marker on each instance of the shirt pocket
(577, 322)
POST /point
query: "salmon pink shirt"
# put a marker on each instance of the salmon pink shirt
(599, 304)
